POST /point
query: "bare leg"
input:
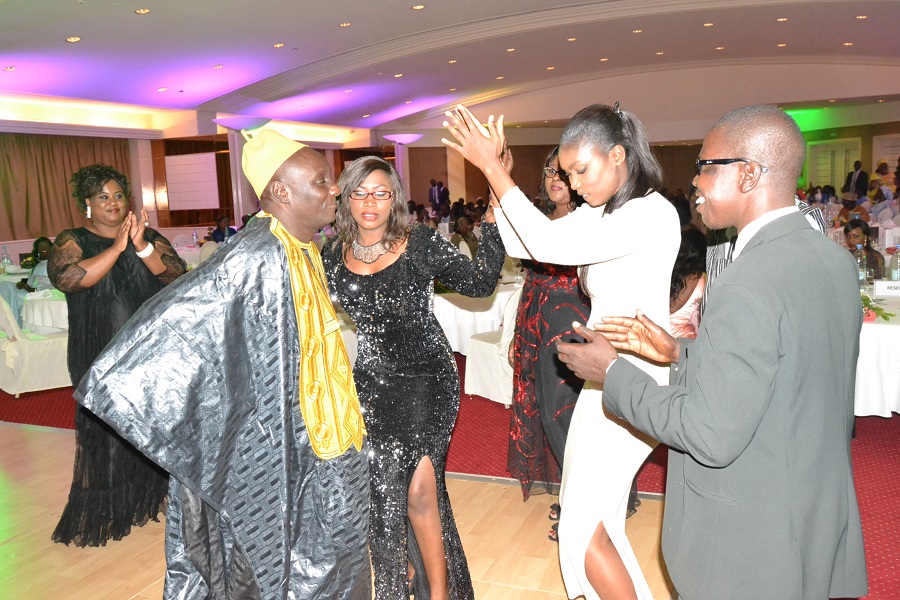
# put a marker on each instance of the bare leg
(422, 508)
(605, 570)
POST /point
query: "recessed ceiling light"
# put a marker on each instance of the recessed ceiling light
(142, 11)
(861, 17)
(162, 89)
(510, 49)
(660, 53)
(347, 91)
(637, 31)
(366, 116)
(345, 24)
(217, 67)
(781, 45)
(848, 43)
(604, 59)
(571, 39)
(781, 19)
(452, 62)
(452, 89)
(832, 100)
(278, 45)
(9, 68)
(418, 7)
(720, 47)
(398, 75)
(73, 39)
(879, 102)
(500, 77)
(708, 24)
(408, 102)
(550, 68)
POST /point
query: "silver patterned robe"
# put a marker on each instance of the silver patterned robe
(253, 511)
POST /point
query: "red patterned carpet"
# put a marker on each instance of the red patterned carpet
(480, 441)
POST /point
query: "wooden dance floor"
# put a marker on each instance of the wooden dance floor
(505, 539)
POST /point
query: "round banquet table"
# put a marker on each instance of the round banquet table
(45, 312)
(461, 317)
(878, 367)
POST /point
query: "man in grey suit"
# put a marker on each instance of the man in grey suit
(760, 500)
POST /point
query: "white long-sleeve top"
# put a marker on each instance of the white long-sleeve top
(629, 252)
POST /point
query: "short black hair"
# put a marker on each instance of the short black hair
(88, 181)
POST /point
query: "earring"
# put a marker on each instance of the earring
(88, 212)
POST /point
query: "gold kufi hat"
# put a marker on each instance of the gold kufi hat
(263, 154)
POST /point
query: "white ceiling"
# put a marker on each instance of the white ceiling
(124, 57)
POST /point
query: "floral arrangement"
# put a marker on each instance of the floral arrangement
(871, 308)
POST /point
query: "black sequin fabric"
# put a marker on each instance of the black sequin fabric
(409, 387)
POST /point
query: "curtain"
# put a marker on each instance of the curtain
(35, 196)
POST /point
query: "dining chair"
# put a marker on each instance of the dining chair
(31, 362)
(207, 250)
(488, 372)
(181, 240)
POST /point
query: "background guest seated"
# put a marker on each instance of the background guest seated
(857, 232)
(849, 201)
(222, 231)
(38, 280)
(464, 234)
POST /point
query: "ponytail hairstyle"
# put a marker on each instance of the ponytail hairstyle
(602, 128)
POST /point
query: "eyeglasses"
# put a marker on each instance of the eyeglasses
(551, 173)
(699, 164)
(377, 194)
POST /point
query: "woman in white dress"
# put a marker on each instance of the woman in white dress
(626, 237)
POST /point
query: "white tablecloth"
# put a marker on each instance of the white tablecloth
(45, 315)
(461, 316)
(878, 368)
(189, 254)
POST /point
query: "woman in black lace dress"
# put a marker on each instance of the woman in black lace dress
(107, 270)
(382, 272)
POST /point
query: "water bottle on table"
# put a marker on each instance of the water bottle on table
(862, 265)
(895, 265)
(5, 260)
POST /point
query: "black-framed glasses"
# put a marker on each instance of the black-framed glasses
(551, 173)
(377, 194)
(700, 163)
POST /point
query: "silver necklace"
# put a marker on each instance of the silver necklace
(368, 254)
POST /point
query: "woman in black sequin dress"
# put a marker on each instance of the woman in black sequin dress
(382, 272)
(107, 270)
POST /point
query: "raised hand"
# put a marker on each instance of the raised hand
(640, 336)
(480, 145)
(137, 230)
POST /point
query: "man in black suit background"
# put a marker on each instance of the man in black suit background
(857, 181)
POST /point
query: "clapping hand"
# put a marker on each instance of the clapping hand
(640, 336)
(121, 241)
(136, 229)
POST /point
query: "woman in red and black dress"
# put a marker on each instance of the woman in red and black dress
(544, 390)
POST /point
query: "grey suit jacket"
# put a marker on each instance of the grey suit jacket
(760, 500)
